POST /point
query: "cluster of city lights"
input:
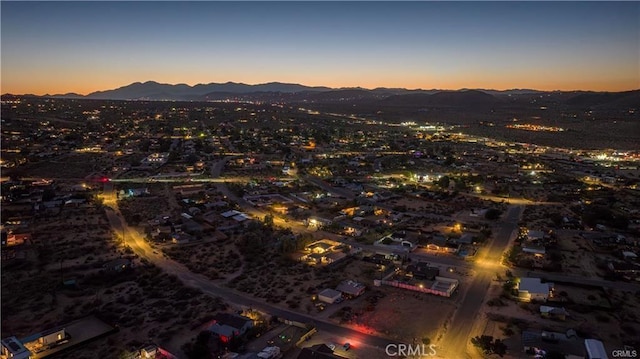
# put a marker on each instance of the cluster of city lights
(536, 128)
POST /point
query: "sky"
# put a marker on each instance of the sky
(61, 47)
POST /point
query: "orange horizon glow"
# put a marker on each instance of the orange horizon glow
(63, 87)
(83, 47)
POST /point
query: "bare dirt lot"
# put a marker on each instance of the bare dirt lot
(589, 314)
(71, 166)
(74, 246)
(217, 259)
(404, 315)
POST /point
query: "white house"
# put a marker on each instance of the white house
(534, 249)
(52, 336)
(533, 289)
(329, 296)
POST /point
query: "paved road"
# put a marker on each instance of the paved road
(460, 330)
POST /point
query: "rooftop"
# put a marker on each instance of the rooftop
(533, 285)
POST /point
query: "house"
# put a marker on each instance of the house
(181, 238)
(329, 296)
(157, 159)
(541, 342)
(533, 289)
(52, 336)
(137, 192)
(189, 189)
(315, 258)
(118, 265)
(150, 351)
(534, 249)
(74, 202)
(422, 270)
(553, 312)
(535, 235)
(466, 238)
(320, 247)
(334, 257)
(437, 243)
(230, 213)
(351, 288)
(16, 239)
(317, 222)
(215, 205)
(194, 211)
(227, 326)
(12, 348)
(241, 217)
(451, 247)
(353, 230)
(624, 269)
(628, 255)
(594, 349)
(318, 351)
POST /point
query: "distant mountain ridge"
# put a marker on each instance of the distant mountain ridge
(471, 99)
(152, 90)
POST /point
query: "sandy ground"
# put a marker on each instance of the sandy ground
(147, 305)
(407, 315)
(594, 322)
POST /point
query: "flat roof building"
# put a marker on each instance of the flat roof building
(12, 348)
(351, 288)
(533, 289)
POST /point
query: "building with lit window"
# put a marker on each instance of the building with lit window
(12, 348)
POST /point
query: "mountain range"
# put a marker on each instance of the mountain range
(152, 90)
(388, 97)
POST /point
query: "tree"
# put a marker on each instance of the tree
(268, 220)
(553, 354)
(200, 349)
(48, 194)
(483, 342)
(444, 182)
(191, 159)
(490, 346)
(509, 286)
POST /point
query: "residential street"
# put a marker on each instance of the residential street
(457, 338)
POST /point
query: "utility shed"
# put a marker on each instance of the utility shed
(329, 296)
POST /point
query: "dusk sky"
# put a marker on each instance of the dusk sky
(60, 47)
